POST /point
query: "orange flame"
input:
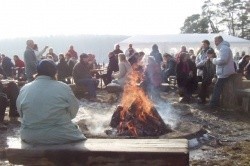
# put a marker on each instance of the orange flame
(131, 128)
(133, 92)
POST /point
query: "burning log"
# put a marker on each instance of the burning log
(136, 116)
(115, 120)
(137, 121)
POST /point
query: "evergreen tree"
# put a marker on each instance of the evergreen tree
(195, 24)
(225, 15)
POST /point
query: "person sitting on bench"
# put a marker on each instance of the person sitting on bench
(124, 69)
(82, 76)
(46, 108)
(168, 67)
(186, 77)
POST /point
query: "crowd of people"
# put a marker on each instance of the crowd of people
(47, 77)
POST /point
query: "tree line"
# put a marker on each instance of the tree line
(220, 16)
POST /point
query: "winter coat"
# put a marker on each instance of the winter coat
(183, 78)
(242, 64)
(71, 63)
(47, 107)
(157, 55)
(170, 68)
(73, 54)
(63, 70)
(201, 60)
(30, 61)
(224, 61)
(7, 66)
(113, 64)
(117, 51)
(81, 71)
(121, 76)
(19, 63)
(209, 70)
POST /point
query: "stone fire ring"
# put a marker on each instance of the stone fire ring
(186, 130)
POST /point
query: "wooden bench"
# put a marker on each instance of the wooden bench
(245, 84)
(245, 94)
(166, 87)
(151, 152)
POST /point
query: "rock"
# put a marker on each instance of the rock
(204, 147)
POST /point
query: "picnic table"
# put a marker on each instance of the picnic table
(100, 72)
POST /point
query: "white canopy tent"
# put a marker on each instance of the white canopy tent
(172, 43)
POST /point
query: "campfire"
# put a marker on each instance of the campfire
(136, 114)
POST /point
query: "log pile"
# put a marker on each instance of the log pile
(137, 122)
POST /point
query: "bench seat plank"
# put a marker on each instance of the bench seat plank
(97, 151)
(245, 94)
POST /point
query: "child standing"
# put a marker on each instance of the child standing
(208, 75)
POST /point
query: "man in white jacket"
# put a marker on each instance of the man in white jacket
(224, 68)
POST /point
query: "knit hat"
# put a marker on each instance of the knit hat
(46, 67)
(83, 55)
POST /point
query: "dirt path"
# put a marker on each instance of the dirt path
(228, 137)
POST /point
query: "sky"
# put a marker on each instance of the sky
(28, 18)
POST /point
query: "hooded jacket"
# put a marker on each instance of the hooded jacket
(224, 61)
(156, 54)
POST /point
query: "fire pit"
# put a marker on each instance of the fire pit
(136, 115)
